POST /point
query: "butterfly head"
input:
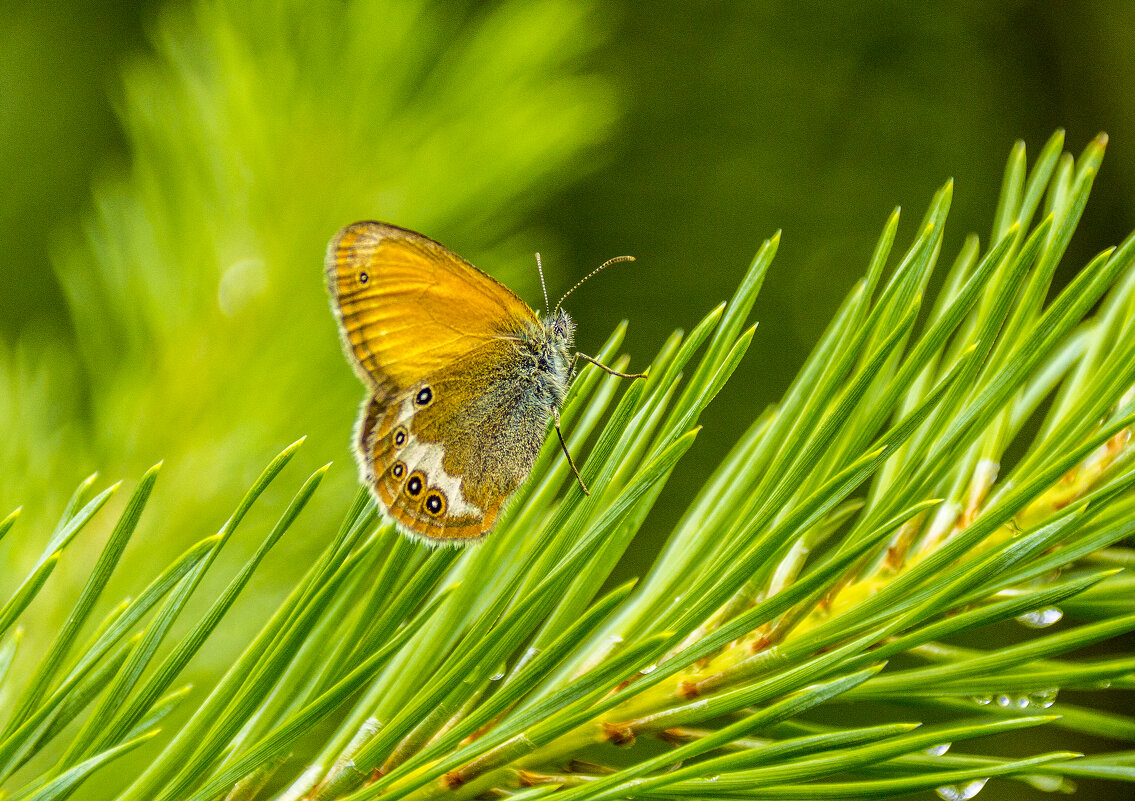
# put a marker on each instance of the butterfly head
(561, 328)
(550, 343)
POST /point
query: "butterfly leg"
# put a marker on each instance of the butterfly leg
(602, 366)
(567, 453)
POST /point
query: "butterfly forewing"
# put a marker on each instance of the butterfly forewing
(408, 306)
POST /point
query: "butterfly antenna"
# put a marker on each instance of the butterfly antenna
(602, 266)
(543, 286)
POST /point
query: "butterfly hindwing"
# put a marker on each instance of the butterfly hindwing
(470, 436)
(410, 479)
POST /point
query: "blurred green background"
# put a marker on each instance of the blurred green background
(172, 171)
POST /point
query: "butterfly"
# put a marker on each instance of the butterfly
(462, 378)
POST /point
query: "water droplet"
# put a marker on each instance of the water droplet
(1041, 618)
(1050, 784)
(961, 791)
(497, 676)
(1043, 699)
(938, 750)
(1038, 699)
(648, 670)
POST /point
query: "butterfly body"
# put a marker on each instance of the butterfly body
(463, 376)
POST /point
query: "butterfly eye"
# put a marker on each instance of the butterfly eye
(424, 396)
(363, 277)
(415, 485)
(398, 469)
(400, 437)
(435, 503)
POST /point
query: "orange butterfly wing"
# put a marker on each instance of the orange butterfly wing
(460, 511)
(410, 310)
(408, 306)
